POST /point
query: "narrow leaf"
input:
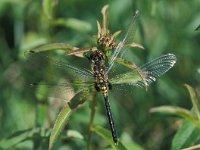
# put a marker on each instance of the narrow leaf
(99, 29)
(7, 143)
(135, 45)
(106, 134)
(80, 52)
(195, 100)
(116, 34)
(76, 24)
(61, 120)
(74, 134)
(177, 111)
(51, 47)
(21, 136)
(105, 18)
(65, 113)
(48, 8)
(193, 147)
(186, 136)
(127, 140)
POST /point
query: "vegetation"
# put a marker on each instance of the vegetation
(165, 116)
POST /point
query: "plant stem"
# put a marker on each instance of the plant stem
(93, 111)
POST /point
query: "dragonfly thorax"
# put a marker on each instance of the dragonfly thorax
(98, 68)
(97, 57)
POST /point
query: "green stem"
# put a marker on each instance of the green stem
(93, 111)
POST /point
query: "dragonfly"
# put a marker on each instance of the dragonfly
(101, 65)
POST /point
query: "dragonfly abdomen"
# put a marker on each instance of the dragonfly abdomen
(111, 121)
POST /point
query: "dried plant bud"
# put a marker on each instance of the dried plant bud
(106, 42)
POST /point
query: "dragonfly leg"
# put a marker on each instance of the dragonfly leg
(109, 85)
(87, 55)
(97, 87)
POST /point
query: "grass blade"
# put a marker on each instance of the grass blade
(195, 100)
(184, 113)
(186, 136)
(24, 135)
(76, 24)
(48, 8)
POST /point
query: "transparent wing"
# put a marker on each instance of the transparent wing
(127, 39)
(151, 71)
(157, 68)
(63, 90)
(55, 65)
(56, 73)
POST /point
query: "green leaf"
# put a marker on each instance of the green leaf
(135, 45)
(195, 100)
(61, 120)
(74, 134)
(20, 136)
(106, 134)
(127, 140)
(51, 47)
(32, 39)
(65, 113)
(186, 136)
(131, 77)
(76, 24)
(79, 52)
(177, 111)
(9, 142)
(48, 8)
(41, 114)
(82, 95)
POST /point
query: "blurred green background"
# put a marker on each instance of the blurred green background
(164, 26)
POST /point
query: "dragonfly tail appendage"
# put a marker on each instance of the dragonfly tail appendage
(110, 119)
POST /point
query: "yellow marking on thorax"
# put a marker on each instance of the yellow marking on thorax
(100, 81)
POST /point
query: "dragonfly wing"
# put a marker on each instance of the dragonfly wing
(127, 39)
(63, 90)
(54, 65)
(150, 71)
(136, 72)
(51, 74)
(157, 68)
(131, 78)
